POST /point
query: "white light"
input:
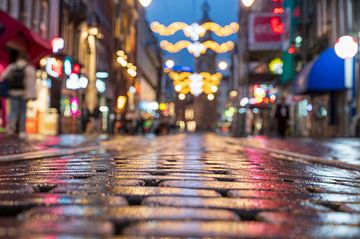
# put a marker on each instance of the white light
(83, 82)
(211, 97)
(346, 47)
(122, 61)
(194, 31)
(182, 97)
(102, 75)
(248, 3)
(214, 88)
(73, 83)
(196, 48)
(145, 3)
(100, 86)
(178, 88)
(104, 109)
(57, 44)
(223, 65)
(244, 101)
(170, 64)
(132, 90)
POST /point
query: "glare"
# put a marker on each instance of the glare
(346, 47)
(178, 88)
(214, 88)
(102, 75)
(248, 3)
(145, 3)
(223, 65)
(182, 97)
(211, 97)
(170, 63)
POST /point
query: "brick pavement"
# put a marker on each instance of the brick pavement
(177, 186)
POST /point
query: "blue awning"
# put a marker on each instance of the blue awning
(325, 73)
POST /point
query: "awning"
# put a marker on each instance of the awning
(13, 31)
(325, 73)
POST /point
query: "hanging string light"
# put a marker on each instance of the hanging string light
(197, 48)
(195, 31)
(196, 83)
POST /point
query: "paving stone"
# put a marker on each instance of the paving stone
(223, 186)
(240, 205)
(153, 191)
(237, 230)
(307, 217)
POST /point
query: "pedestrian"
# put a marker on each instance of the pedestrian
(20, 77)
(282, 115)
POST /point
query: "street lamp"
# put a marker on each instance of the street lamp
(223, 65)
(248, 3)
(170, 64)
(346, 48)
(145, 3)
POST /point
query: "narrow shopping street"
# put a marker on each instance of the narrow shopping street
(195, 185)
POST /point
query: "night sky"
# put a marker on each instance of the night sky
(166, 12)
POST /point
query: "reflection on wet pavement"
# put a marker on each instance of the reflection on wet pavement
(177, 186)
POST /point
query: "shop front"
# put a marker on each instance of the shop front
(324, 108)
(16, 38)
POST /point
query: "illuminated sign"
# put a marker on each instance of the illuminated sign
(100, 86)
(73, 82)
(54, 67)
(57, 44)
(68, 66)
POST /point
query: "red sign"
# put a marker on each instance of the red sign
(266, 31)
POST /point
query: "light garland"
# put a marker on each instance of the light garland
(195, 31)
(122, 59)
(196, 83)
(197, 48)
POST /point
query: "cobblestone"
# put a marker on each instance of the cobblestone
(177, 186)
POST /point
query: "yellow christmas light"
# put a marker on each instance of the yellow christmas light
(195, 31)
(183, 82)
(197, 48)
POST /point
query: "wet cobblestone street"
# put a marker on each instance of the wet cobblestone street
(177, 186)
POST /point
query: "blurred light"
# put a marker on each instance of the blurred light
(223, 65)
(242, 110)
(178, 88)
(83, 82)
(54, 67)
(191, 126)
(182, 96)
(74, 106)
(181, 124)
(170, 64)
(276, 66)
(93, 31)
(247, 3)
(256, 110)
(102, 75)
(43, 62)
(214, 88)
(211, 97)
(272, 99)
(57, 44)
(260, 92)
(122, 61)
(278, 10)
(100, 86)
(234, 94)
(292, 50)
(73, 82)
(276, 25)
(67, 66)
(309, 107)
(346, 47)
(244, 101)
(121, 102)
(162, 106)
(104, 109)
(145, 3)
(132, 90)
(76, 69)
